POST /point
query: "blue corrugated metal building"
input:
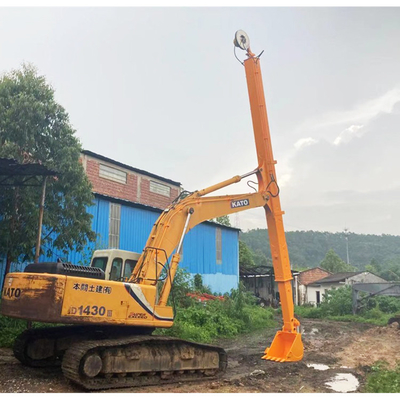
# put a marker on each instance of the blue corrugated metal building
(209, 249)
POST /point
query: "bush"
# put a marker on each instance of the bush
(203, 322)
(308, 312)
(10, 328)
(337, 302)
(388, 304)
(337, 305)
(383, 380)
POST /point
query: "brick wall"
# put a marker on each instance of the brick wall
(136, 189)
(155, 199)
(107, 186)
(312, 275)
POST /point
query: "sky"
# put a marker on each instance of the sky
(160, 89)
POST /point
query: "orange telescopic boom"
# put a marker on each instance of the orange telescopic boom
(287, 345)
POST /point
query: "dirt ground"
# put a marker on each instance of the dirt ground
(336, 349)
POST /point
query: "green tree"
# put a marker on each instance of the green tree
(333, 263)
(34, 128)
(224, 220)
(245, 255)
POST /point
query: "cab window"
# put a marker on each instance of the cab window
(129, 266)
(100, 262)
(116, 266)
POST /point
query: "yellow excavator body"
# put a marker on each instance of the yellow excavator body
(106, 341)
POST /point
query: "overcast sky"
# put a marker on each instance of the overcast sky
(160, 89)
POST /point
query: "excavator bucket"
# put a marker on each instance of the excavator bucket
(286, 347)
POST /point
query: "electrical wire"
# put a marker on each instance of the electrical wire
(254, 183)
(273, 181)
(234, 52)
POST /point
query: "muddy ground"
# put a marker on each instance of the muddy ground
(332, 347)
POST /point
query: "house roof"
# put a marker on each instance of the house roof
(139, 171)
(312, 275)
(13, 173)
(339, 277)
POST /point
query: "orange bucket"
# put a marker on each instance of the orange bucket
(286, 347)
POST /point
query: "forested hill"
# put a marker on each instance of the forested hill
(308, 248)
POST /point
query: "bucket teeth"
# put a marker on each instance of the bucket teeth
(277, 359)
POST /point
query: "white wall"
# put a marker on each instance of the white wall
(310, 292)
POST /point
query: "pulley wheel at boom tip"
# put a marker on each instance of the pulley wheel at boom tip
(241, 40)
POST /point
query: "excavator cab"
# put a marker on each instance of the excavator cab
(116, 264)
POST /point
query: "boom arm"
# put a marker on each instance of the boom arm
(183, 215)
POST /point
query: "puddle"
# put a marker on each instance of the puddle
(319, 367)
(343, 383)
(313, 331)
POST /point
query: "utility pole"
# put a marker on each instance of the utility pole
(346, 234)
(41, 210)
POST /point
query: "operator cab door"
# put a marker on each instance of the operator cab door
(121, 270)
(116, 269)
(128, 269)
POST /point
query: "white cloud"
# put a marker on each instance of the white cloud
(303, 142)
(348, 134)
(361, 114)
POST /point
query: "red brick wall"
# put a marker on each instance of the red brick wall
(129, 190)
(155, 199)
(108, 187)
(312, 275)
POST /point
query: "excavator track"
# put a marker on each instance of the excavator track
(141, 361)
(45, 347)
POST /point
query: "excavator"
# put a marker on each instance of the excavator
(105, 339)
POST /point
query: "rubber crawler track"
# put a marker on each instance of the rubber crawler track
(73, 357)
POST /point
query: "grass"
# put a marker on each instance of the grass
(374, 318)
(382, 379)
(10, 328)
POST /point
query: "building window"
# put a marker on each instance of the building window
(218, 244)
(113, 174)
(159, 188)
(115, 223)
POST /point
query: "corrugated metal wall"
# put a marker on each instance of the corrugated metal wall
(199, 247)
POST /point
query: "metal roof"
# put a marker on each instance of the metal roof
(340, 276)
(12, 173)
(139, 171)
(264, 270)
(261, 270)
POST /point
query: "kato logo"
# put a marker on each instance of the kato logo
(240, 203)
(12, 292)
